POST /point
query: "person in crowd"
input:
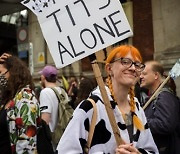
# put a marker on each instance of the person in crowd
(105, 79)
(37, 91)
(19, 108)
(163, 112)
(48, 100)
(73, 91)
(123, 66)
(86, 85)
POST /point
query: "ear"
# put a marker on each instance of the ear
(42, 78)
(156, 75)
(108, 68)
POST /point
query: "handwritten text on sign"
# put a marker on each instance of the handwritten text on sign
(75, 29)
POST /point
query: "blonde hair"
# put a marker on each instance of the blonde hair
(118, 52)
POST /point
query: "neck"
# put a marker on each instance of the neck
(154, 87)
(121, 93)
(50, 85)
(121, 97)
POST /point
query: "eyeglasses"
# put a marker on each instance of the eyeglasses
(128, 63)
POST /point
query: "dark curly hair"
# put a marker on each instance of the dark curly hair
(19, 77)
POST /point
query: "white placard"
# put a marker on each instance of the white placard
(175, 71)
(74, 29)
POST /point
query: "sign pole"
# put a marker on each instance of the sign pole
(107, 104)
(156, 92)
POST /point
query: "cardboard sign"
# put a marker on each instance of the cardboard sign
(74, 29)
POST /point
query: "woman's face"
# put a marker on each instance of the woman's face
(122, 72)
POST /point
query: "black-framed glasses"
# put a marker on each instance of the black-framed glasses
(128, 63)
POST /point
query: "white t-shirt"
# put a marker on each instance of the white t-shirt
(49, 103)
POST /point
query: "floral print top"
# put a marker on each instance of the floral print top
(23, 116)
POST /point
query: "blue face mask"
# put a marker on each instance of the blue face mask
(3, 81)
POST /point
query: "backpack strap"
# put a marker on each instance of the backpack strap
(57, 94)
(92, 126)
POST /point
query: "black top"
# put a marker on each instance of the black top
(4, 134)
(163, 116)
(129, 125)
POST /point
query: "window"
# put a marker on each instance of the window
(15, 18)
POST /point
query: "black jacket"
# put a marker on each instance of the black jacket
(163, 117)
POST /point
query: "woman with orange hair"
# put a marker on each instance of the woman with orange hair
(123, 66)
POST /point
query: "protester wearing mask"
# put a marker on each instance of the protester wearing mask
(19, 108)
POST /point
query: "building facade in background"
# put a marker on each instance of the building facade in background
(155, 25)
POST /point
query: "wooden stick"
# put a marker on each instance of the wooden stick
(107, 104)
(156, 92)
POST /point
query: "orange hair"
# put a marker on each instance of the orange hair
(118, 52)
(122, 51)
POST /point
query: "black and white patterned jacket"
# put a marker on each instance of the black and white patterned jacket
(103, 142)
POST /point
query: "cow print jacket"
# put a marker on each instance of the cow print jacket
(103, 142)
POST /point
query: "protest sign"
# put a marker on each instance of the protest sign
(74, 29)
(175, 71)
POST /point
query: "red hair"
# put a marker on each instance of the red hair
(118, 52)
(122, 51)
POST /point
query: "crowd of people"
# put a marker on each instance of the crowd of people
(129, 84)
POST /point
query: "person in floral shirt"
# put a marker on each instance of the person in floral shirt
(19, 108)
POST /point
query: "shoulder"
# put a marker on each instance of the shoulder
(166, 90)
(26, 93)
(46, 90)
(138, 106)
(137, 103)
(166, 95)
(26, 97)
(47, 93)
(86, 105)
(61, 90)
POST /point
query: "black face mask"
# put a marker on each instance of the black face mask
(3, 81)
